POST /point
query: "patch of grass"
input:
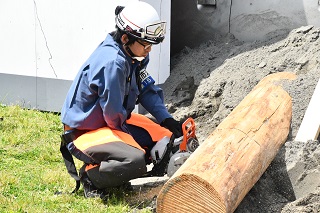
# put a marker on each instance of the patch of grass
(32, 169)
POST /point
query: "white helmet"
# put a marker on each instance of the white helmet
(142, 21)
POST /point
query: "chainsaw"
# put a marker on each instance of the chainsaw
(170, 153)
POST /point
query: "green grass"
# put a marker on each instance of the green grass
(32, 169)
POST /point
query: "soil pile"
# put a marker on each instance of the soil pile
(209, 81)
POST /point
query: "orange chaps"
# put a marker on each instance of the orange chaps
(118, 157)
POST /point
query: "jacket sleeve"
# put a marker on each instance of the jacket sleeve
(153, 101)
(111, 81)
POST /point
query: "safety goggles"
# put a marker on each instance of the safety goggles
(153, 33)
(155, 30)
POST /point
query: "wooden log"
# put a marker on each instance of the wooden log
(219, 174)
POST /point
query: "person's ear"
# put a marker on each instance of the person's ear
(124, 39)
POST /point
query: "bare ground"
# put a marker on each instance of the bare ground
(209, 81)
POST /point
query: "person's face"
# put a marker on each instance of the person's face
(140, 48)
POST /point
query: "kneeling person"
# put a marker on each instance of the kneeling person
(102, 97)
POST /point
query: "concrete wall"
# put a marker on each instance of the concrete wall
(33, 92)
(44, 43)
(247, 20)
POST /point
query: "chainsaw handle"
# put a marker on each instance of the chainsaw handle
(160, 169)
(188, 131)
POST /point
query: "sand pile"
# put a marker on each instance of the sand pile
(209, 81)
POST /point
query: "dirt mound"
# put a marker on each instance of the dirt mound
(209, 81)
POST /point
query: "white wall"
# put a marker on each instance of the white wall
(50, 39)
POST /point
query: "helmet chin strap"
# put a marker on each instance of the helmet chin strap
(132, 55)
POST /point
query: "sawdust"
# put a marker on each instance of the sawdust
(209, 81)
(144, 195)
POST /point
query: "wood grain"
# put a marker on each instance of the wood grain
(231, 160)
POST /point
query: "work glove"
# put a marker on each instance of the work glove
(174, 126)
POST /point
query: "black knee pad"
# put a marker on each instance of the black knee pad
(121, 164)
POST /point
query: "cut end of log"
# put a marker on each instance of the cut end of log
(189, 193)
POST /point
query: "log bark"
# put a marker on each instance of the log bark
(224, 168)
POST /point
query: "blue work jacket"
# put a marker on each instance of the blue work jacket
(108, 78)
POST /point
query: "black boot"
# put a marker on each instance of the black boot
(90, 190)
